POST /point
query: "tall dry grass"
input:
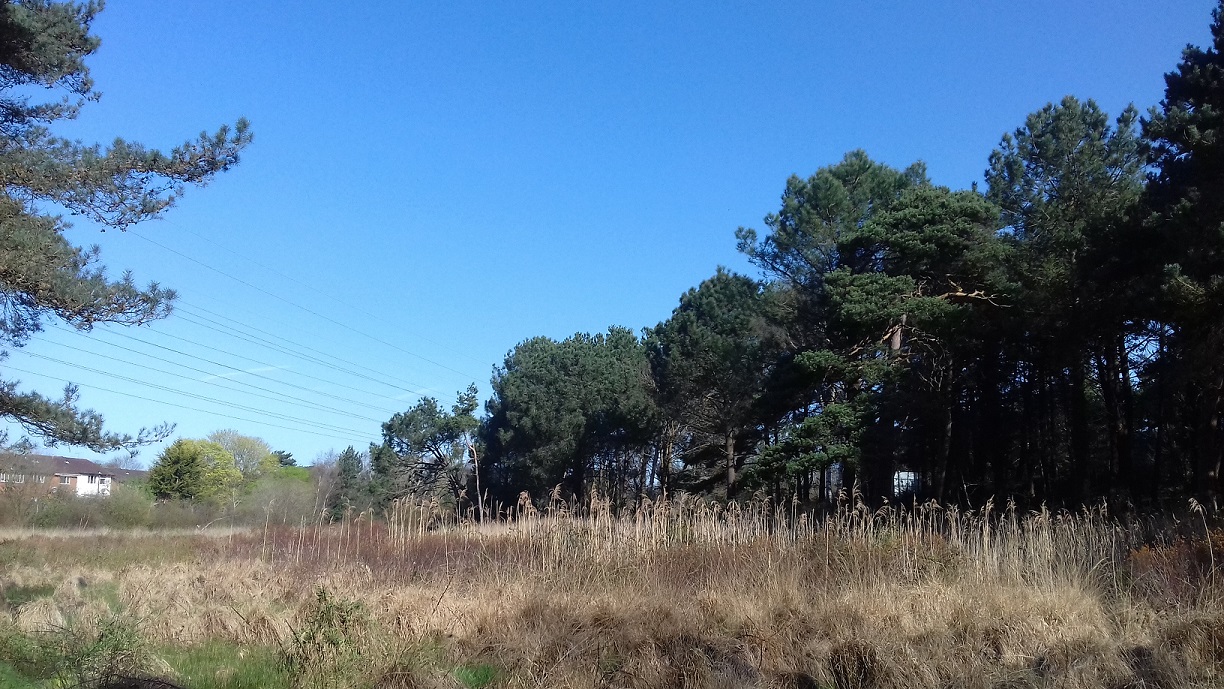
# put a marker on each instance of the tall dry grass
(683, 592)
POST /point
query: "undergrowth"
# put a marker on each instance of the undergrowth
(674, 594)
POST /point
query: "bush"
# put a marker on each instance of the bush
(100, 653)
(183, 514)
(65, 510)
(329, 643)
(282, 498)
(127, 507)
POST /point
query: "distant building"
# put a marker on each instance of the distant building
(80, 476)
(129, 475)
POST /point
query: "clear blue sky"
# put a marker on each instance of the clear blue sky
(432, 183)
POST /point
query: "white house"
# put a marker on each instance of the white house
(80, 476)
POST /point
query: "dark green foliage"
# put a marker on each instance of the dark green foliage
(190, 469)
(574, 414)
(351, 488)
(711, 362)
(801, 246)
(1056, 339)
(425, 449)
(1185, 231)
(178, 473)
(43, 45)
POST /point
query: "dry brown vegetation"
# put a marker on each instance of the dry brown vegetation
(673, 594)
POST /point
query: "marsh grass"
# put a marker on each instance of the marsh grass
(674, 592)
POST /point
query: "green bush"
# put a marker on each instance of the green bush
(329, 644)
(184, 514)
(78, 654)
(127, 507)
(282, 498)
(65, 510)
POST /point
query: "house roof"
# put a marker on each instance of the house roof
(122, 475)
(50, 464)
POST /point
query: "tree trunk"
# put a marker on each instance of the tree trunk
(476, 471)
(1208, 449)
(1126, 431)
(944, 458)
(1081, 470)
(729, 448)
(1158, 452)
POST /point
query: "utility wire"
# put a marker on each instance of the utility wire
(314, 289)
(203, 398)
(249, 373)
(264, 363)
(210, 324)
(181, 305)
(282, 399)
(214, 374)
(181, 406)
(303, 308)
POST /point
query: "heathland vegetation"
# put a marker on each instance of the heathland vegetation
(680, 593)
(948, 438)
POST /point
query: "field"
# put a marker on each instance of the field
(673, 594)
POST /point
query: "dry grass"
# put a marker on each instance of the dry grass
(689, 594)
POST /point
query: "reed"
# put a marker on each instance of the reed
(686, 592)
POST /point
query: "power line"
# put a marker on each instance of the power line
(191, 308)
(316, 314)
(284, 397)
(264, 363)
(211, 324)
(314, 289)
(249, 373)
(182, 406)
(284, 417)
(211, 373)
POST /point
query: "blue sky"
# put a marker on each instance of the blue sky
(432, 183)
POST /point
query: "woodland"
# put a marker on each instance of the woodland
(1050, 337)
(1055, 336)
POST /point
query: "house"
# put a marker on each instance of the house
(80, 476)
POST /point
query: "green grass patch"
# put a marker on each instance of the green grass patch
(11, 679)
(107, 592)
(14, 597)
(219, 665)
(476, 676)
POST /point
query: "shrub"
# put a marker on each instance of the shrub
(329, 643)
(127, 507)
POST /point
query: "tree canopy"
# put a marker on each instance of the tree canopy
(1054, 337)
(43, 49)
(190, 469)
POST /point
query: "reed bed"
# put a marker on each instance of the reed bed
(683, 592)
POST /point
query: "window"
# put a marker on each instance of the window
(93, 479)
(17, 478)
(40, 478)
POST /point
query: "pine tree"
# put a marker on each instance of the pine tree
(1187, 218)
(43, 45)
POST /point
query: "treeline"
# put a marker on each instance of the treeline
(1057, 337)
(225, 479)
